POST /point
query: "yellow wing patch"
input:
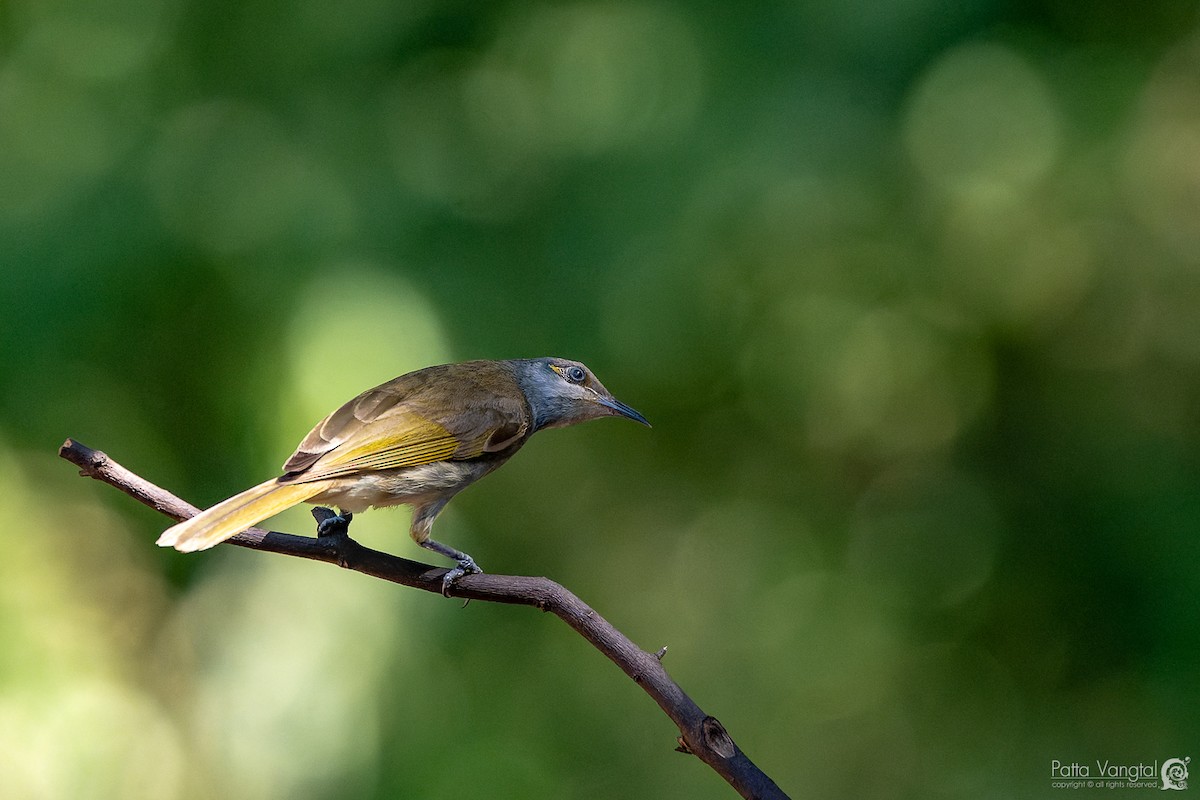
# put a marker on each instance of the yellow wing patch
(392, 452)
(393, 442)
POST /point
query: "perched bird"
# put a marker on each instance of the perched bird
(418, 440)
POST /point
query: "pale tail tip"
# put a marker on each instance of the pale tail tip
(170, 538)
(186, 545)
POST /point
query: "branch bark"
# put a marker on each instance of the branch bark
(700, 734)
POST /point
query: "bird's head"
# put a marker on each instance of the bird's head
(562, 392)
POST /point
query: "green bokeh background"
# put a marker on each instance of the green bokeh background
(911, 291)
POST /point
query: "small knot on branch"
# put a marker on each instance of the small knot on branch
(82, 456)
(717, 738)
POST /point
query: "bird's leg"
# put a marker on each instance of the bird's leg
(330, 523)
(422, 524)
(466, 564)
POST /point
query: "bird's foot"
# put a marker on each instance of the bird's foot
(466, 566)
(330, 523)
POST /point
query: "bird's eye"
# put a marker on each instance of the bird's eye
(575, 374)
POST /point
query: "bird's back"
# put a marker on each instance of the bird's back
(450, 411)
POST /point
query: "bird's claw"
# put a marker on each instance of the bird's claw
(331, 524)
(466, 566)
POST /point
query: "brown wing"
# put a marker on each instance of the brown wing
(456, 411)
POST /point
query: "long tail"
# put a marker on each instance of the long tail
(232, 516)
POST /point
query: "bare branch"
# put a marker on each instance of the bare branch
(700, 734)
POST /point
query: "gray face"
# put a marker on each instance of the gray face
(563, 392)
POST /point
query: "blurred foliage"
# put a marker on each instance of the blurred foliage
(910, 290)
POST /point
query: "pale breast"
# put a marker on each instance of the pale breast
(412, 485)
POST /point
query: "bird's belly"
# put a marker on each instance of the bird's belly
(411, 485)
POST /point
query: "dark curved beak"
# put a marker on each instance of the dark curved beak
(622, 409)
